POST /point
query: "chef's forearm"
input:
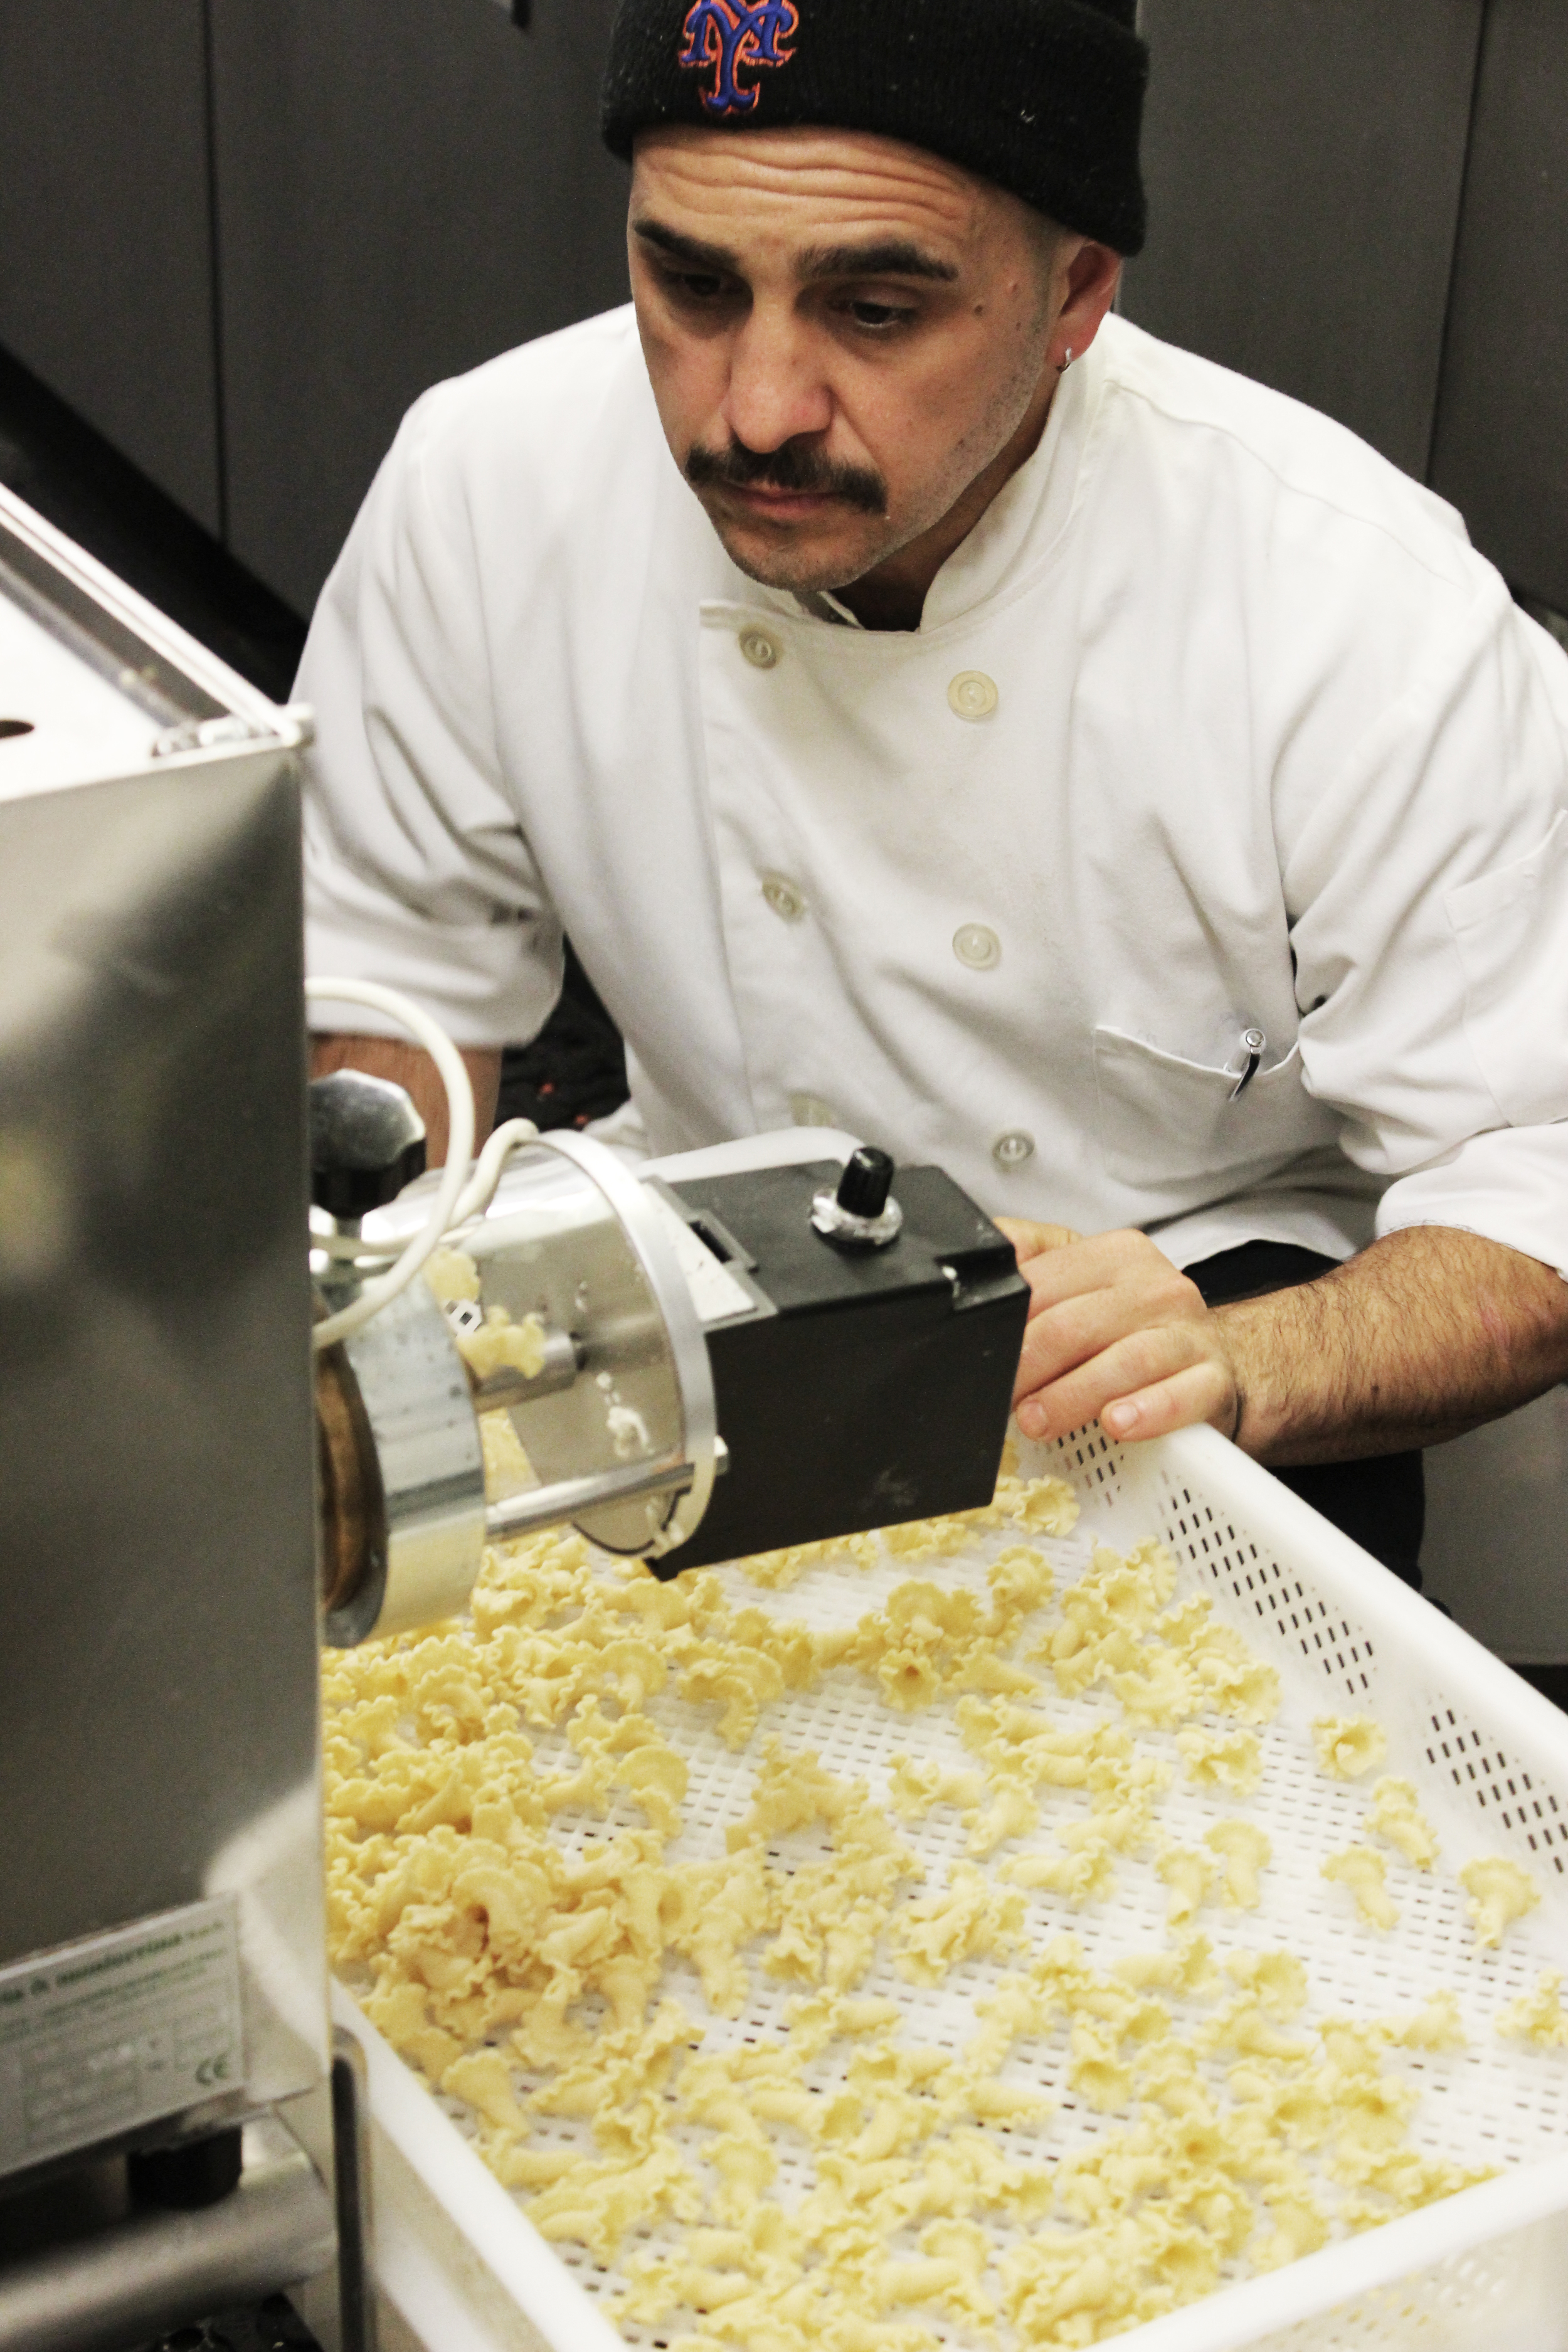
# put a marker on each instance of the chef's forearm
(1418, 1338)
(411, 1067)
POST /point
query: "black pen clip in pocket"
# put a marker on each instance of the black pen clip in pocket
(1254, 1046)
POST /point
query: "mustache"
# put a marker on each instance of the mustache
(795, 466)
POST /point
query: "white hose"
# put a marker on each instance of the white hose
(456, 1182)
(488, 1168)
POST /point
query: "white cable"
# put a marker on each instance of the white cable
(351, 1249)
(490, 1166)
(359, 1250)
(379, 1292)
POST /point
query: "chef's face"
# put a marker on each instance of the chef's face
(843, 333)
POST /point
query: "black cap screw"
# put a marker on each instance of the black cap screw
(367, 1141)
(866, 1181)
(862, 1215)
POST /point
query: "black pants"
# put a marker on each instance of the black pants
(1381, 1504)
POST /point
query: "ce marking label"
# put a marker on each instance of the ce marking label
(213, 2070)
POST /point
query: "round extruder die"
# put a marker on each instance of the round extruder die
(612, 1399)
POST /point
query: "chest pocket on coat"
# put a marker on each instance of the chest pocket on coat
(1168, 1126)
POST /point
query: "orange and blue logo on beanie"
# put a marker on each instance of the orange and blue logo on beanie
(734, 37)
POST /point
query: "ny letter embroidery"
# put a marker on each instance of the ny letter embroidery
(730, 34)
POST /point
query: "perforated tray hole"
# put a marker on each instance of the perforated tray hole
(1480, 1772)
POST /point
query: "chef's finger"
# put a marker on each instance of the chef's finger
(1077, 1329)
(1031, 1239)
(1036, 1245)
(1203, 1392)
(1131, 1364)
(1120, 1261)
(1059, 1339)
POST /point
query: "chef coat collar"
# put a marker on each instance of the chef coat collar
(1016, 533)
(821, 604)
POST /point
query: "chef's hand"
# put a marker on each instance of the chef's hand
(1116, 1334)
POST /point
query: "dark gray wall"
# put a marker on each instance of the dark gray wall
(105, 229)
(405, 188)
(1502, 448)
(1304, 161)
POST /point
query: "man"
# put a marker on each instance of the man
(1021, 742)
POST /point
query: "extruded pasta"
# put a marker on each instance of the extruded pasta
(515, 1895)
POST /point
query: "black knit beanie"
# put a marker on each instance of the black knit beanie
(1044, 97)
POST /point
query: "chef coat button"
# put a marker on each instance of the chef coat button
(760, 649)
(978, 945)
(784, 897)
(972, 695)
(1011, 1150)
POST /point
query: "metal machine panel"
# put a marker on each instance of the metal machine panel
(405, 187)
(1502, 418)
(1304, 161)
(106, 263)
(158, 1612)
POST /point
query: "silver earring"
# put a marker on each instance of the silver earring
(1067, 362)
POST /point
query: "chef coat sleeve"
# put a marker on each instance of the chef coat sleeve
(416, 871)
(1427, 890)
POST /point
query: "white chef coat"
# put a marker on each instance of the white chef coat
(1216, 722)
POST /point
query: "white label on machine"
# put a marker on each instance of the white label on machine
(98, 2036)
(715, 1293)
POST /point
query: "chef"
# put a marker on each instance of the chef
(935, 708)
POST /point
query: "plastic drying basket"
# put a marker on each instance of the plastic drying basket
(1484, 2271)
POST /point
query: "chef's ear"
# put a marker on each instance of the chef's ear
(1086, 279)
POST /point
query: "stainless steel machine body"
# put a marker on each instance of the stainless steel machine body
(567, 1310)
(161, 1919)
(637, 1419)
(605, 1379)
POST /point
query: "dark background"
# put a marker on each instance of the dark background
(237, 239)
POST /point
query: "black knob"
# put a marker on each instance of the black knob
(866, 1181)
(367, 1141)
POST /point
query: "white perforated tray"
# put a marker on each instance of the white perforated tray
(1486, 2270)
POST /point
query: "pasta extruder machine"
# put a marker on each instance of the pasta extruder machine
(751, 1349)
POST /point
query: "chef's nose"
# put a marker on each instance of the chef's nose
(775, 392)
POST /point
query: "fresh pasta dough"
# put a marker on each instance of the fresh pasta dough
(600, 1983)
(1363, 1872)
(1349, 1745)
(1499, 1893)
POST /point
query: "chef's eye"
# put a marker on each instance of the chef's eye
(879, 317)
(698, 285)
